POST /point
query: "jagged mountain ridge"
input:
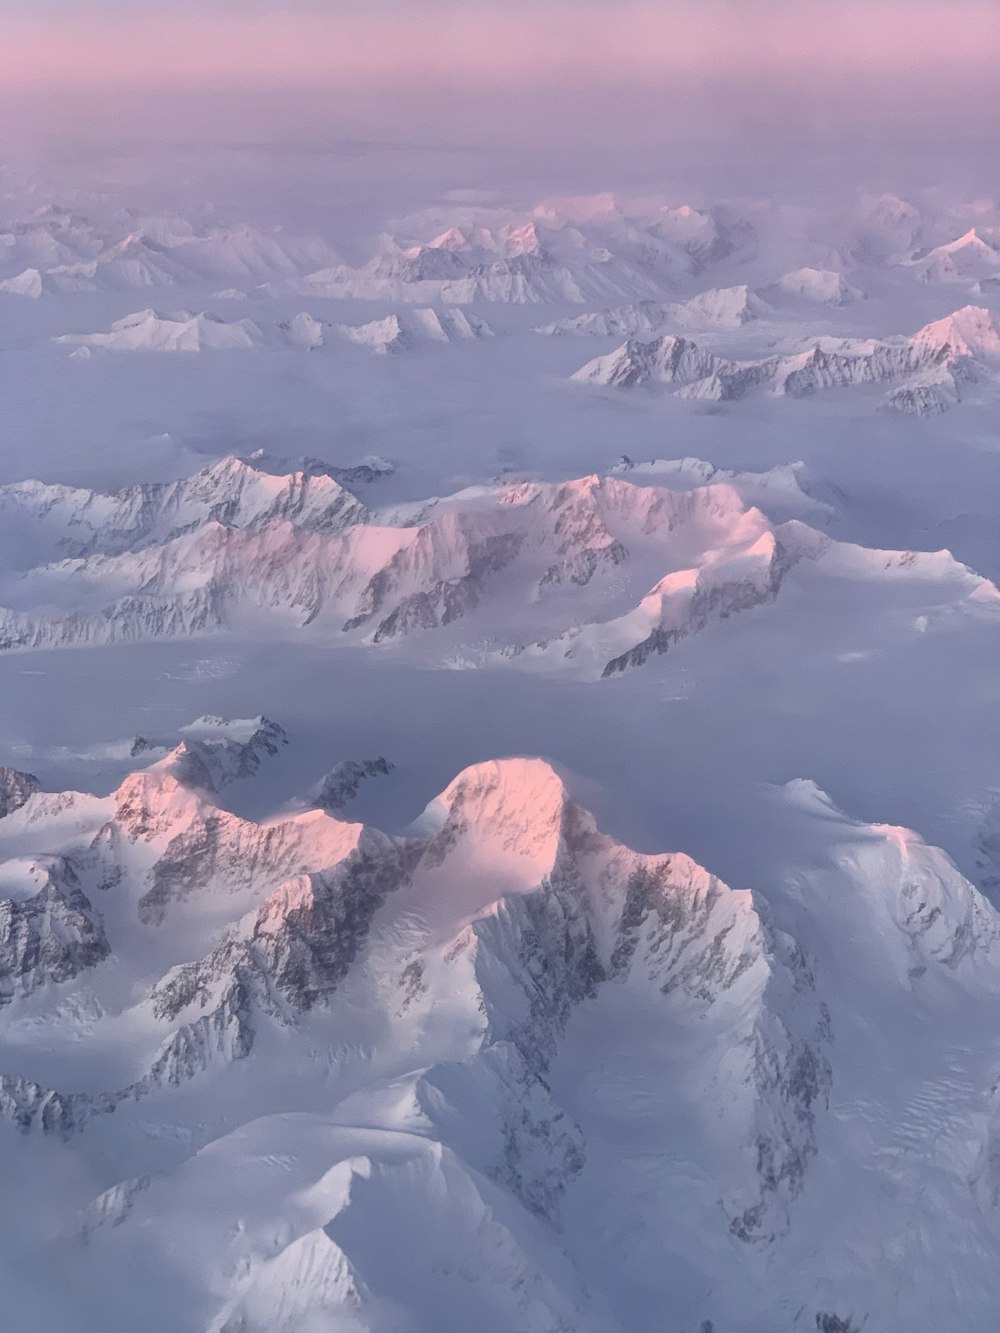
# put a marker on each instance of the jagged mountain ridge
(399, 332)
(928, 369)
(967, 258)
(181, 331)
(176, 331)
(819, 286)
(583, 250)
(57, 252)
(561, 251)
(494, 966)
(600, 249)
(246, 493)
(719, 307)
(590, 576)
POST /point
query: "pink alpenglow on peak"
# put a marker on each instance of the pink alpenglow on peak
(972, 331)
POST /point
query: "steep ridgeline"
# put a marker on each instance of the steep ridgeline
(176, 331)
(500, 1069)
(186, 332)
(51, 926)
(589, 576)
(402, 332)
(720, 307)
(590, 249)
(816, 286)
(15, 788)
(342, 783)
(480, 939)
(967, 258)
(927, 371)
(563, 250)
(55, 252)
(249, 494)
(214, 751)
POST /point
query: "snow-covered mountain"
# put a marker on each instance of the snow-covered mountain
(888, 226)
(215, 751)
(15, 788)
(176, 331)
(341, 784)
(590, 576)
(243, 251)
(782, 492)
(57, 252)
(29, 282)
(303, 330)
(249, 494)
(398, 332)
(128, 264)
(48, 238)
(595, 250)
(641, 317)
(524, 279)
(819, 286)
(964, 260)
(719, 307)
(970, 333)
(563, 250)
(722, 307)
(500, 1045)
(182, 331)
(929, 367)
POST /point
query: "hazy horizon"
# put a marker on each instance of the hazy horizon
(329, 98)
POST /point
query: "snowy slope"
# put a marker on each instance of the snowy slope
(178, 331)
(563, 250)
(820, 286)
(56, 252)
(564, 1081)
(398, 332)
(929, 367)
(967, 258)
(241, 493)
(719, 307)
(592, 576)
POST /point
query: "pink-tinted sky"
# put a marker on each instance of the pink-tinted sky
(582, 91)
(218, 43)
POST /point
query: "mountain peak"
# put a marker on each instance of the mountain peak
(971, 237)
(971, 331)
(513, 806)
(820, 285)
(522, 240)
(452, 239)
(517, 784)
(150, 330)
